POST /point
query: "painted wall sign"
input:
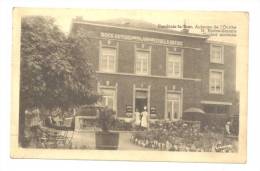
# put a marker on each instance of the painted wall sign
(140, 38)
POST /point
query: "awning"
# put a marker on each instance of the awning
(194, 114)
(215, 102)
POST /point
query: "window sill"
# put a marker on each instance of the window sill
(107, 71)
(174, 77)
(214, 93)
(142, 74)
(220, 63)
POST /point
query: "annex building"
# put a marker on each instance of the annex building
(167, 71)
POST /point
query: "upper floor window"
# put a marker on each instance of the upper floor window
(142, 62)
(108, 59)
(216, 80)
(174, 65)
(216, 54)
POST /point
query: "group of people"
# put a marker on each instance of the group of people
(141, 119)
(36, 120)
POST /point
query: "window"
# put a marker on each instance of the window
(173, 106)
(108, 98)
(216, 109)
(216, 82)
(216, 55)
(142, 62)
(174, 66)
(108, 60)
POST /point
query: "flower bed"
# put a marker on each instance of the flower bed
(181, 136)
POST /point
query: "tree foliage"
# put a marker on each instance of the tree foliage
(54, 72)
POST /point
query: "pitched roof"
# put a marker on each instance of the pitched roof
(138, 25)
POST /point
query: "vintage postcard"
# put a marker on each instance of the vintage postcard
(136, 85)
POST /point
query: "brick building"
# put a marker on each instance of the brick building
(167, 71)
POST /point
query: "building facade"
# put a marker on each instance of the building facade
(167, 71)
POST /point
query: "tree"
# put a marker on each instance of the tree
(54, 72)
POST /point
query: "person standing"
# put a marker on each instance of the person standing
(144, 119)
(34, 125)
(137, 119)
(227, 128)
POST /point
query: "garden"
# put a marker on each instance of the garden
(185, 137)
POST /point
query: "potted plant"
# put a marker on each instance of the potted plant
(106, 139)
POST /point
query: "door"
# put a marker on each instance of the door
(141, 99)
(140, 104)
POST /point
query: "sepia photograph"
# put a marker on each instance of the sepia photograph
(141, 85)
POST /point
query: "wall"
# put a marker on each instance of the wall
(196, 65)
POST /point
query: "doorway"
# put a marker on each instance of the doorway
(141, 100)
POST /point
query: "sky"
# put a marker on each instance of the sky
(63, 19)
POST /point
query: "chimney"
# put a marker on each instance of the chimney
(79, 18)
(185, 28)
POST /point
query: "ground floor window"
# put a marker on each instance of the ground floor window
(108, 98)
(173, 106)
(216, 109)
